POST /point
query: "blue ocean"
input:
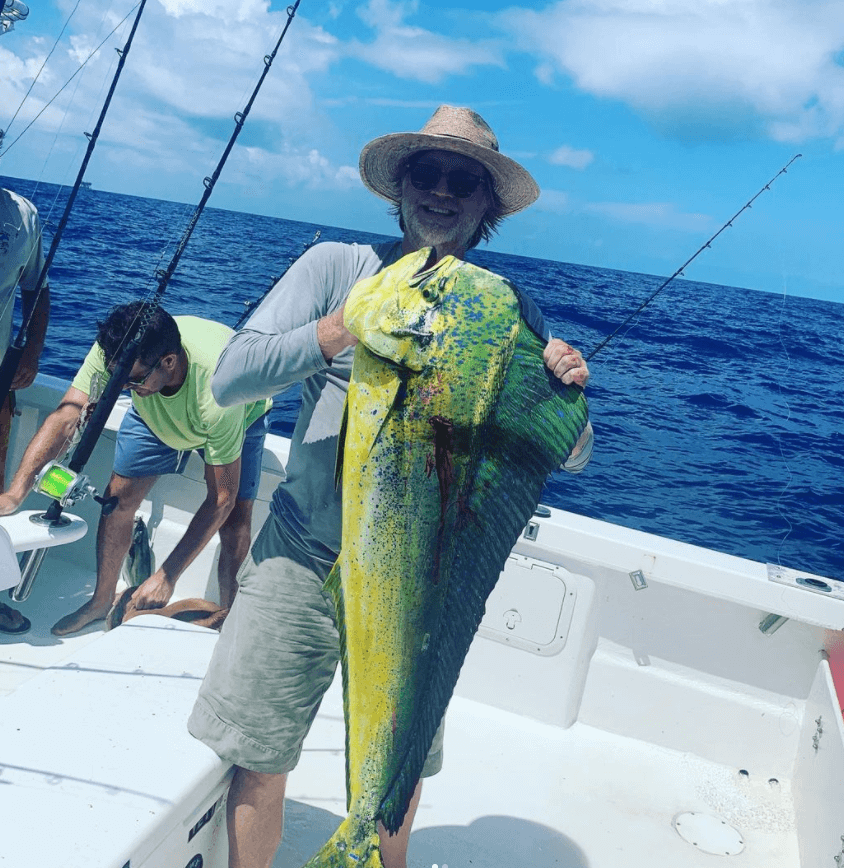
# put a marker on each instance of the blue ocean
(718, 414)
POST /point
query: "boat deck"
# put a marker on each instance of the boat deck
(522, 794)
(514, 791)
(590, 714)
(61, 587)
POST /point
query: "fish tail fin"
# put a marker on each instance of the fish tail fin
(351, 846)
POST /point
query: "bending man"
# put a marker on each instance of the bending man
(172, 413)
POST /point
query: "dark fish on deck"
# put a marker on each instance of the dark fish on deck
(139, 563)
(452, 425)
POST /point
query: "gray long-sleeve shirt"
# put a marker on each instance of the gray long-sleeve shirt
(277, 347)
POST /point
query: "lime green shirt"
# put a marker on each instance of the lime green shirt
(190, 419)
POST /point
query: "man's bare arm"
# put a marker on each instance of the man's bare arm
(222, 482)
(50, 441)
(28, 367)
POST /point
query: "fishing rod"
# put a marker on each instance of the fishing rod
(65, 484)
(55, 96)
(251, 305)
(680, 270)
(15, 351)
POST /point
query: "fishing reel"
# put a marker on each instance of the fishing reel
(68, 487)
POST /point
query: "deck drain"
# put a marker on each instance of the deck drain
(709, 834)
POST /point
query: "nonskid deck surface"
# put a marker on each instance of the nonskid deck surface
(61, 587)
(515, 793)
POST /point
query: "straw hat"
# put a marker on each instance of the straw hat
(450, 129)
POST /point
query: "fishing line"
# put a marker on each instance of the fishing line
(691, 259)
(38, 74)
(64, 484)
(251, 305)
(780, 509)
(13, 355)
(78, 70)
(73, 161)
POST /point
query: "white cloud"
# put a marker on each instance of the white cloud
(699, 68)
(310, 169)
(193, 64)
(553, 201)
(659, 214)
(415, 53)
(387, 14)
(571, 157)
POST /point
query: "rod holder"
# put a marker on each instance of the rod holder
(771, 623)
(30, 565)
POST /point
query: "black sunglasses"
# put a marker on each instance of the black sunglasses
(146, 376)
(461, 183)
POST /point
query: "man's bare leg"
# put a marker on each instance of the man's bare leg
(114, 536)
(235, 539)
(394, 847)
(255, 818)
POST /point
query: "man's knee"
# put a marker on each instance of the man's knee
(238, 523)
(257, 788)
(129, 491)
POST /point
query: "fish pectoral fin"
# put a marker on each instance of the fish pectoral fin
(341, 444)
(372, 394)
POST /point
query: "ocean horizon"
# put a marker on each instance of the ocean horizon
(718, 412)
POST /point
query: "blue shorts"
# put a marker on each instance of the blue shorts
(140, 453)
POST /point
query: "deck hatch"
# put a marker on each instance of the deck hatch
(530, 607)
(709, 833)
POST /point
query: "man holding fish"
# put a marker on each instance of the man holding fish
(279, 648)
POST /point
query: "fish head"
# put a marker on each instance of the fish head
(396, 314)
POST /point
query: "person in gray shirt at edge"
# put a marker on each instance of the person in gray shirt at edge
(279, 648)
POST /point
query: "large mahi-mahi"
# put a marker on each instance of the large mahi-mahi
(452, 425)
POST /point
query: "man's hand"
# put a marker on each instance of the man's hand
(565, 363)
(154, 593)
(25, 374)
(332, 334)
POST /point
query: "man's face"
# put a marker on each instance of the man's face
(438, 217)
(146, 379)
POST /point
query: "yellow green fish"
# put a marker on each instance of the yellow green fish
(452, 425)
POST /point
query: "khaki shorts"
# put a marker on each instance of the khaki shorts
(276, 657)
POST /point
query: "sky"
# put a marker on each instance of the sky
(646, 123)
